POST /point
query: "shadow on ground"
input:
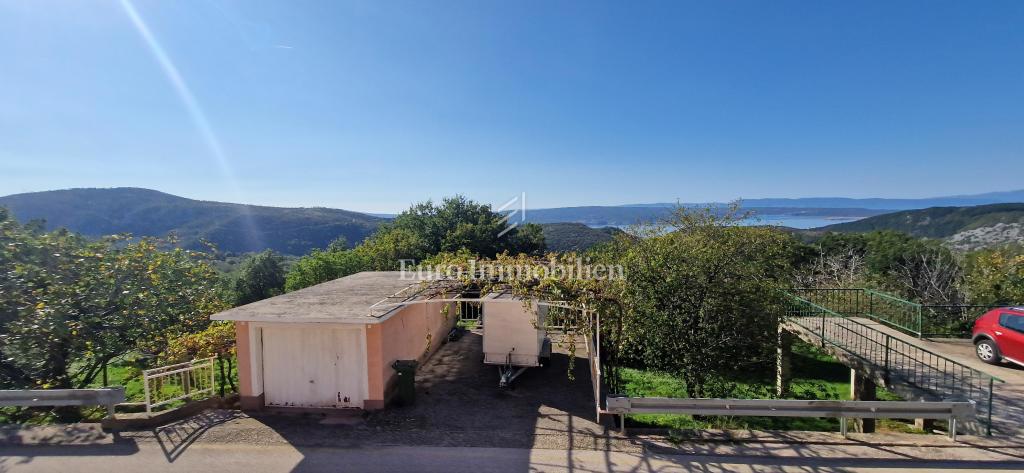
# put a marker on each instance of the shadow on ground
(175, 437)
(459, 404)
(60, 441)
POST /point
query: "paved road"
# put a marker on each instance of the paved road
(228, 458)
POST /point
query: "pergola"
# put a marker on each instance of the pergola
(455, 289)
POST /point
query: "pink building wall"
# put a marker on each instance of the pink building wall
(248, 398)
(413, 333)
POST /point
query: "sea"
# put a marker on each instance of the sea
(792, 221)
(796, 221)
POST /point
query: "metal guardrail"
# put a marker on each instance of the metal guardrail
(952, 411)
(64, 397)
(167, 384)
(919, 368)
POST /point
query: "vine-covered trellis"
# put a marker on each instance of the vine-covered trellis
(582, 306)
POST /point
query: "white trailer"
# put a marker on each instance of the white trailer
(514, 335)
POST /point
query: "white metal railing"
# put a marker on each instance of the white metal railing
(179, 381)
(951, 411)
(107, 397)
(470, 311)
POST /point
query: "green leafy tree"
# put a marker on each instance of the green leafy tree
(456, 226)
(261, 276)
(700, 290)
(322, 266)
(995, 277)
(385, 250)
(459, 223)
(914, 268)
(527, 238)
(68, 306)
(218, 339)
(338, 244)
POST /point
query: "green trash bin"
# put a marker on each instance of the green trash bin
(406, 385)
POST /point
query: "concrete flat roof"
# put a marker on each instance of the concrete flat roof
(344, 300)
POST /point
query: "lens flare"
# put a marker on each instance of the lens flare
(198, 117)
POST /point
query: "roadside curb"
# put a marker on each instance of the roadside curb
(145, 421)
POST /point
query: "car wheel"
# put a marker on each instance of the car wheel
(987, 351)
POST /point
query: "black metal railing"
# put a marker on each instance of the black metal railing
(897, 360)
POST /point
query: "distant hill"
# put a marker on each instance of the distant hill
(291, 231)
(575, 236)
(1001, 197)
(240, 228)
(232, 227)
(962, 227)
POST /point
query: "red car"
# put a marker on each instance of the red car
(999, 335)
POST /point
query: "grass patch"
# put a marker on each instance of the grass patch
(128, 374)
(124, 372)
(816, 375)
(812, 366)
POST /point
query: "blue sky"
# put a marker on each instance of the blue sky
(373, 105)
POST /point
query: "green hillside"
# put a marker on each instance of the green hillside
(575, 236)
(232, 227)
(936, 222)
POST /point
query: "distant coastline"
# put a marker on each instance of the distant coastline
(792, 221)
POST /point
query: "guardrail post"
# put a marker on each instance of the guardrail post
(783, 362)
(988, 422)
(149, 400)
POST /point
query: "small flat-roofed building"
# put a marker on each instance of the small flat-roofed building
(332, 345)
